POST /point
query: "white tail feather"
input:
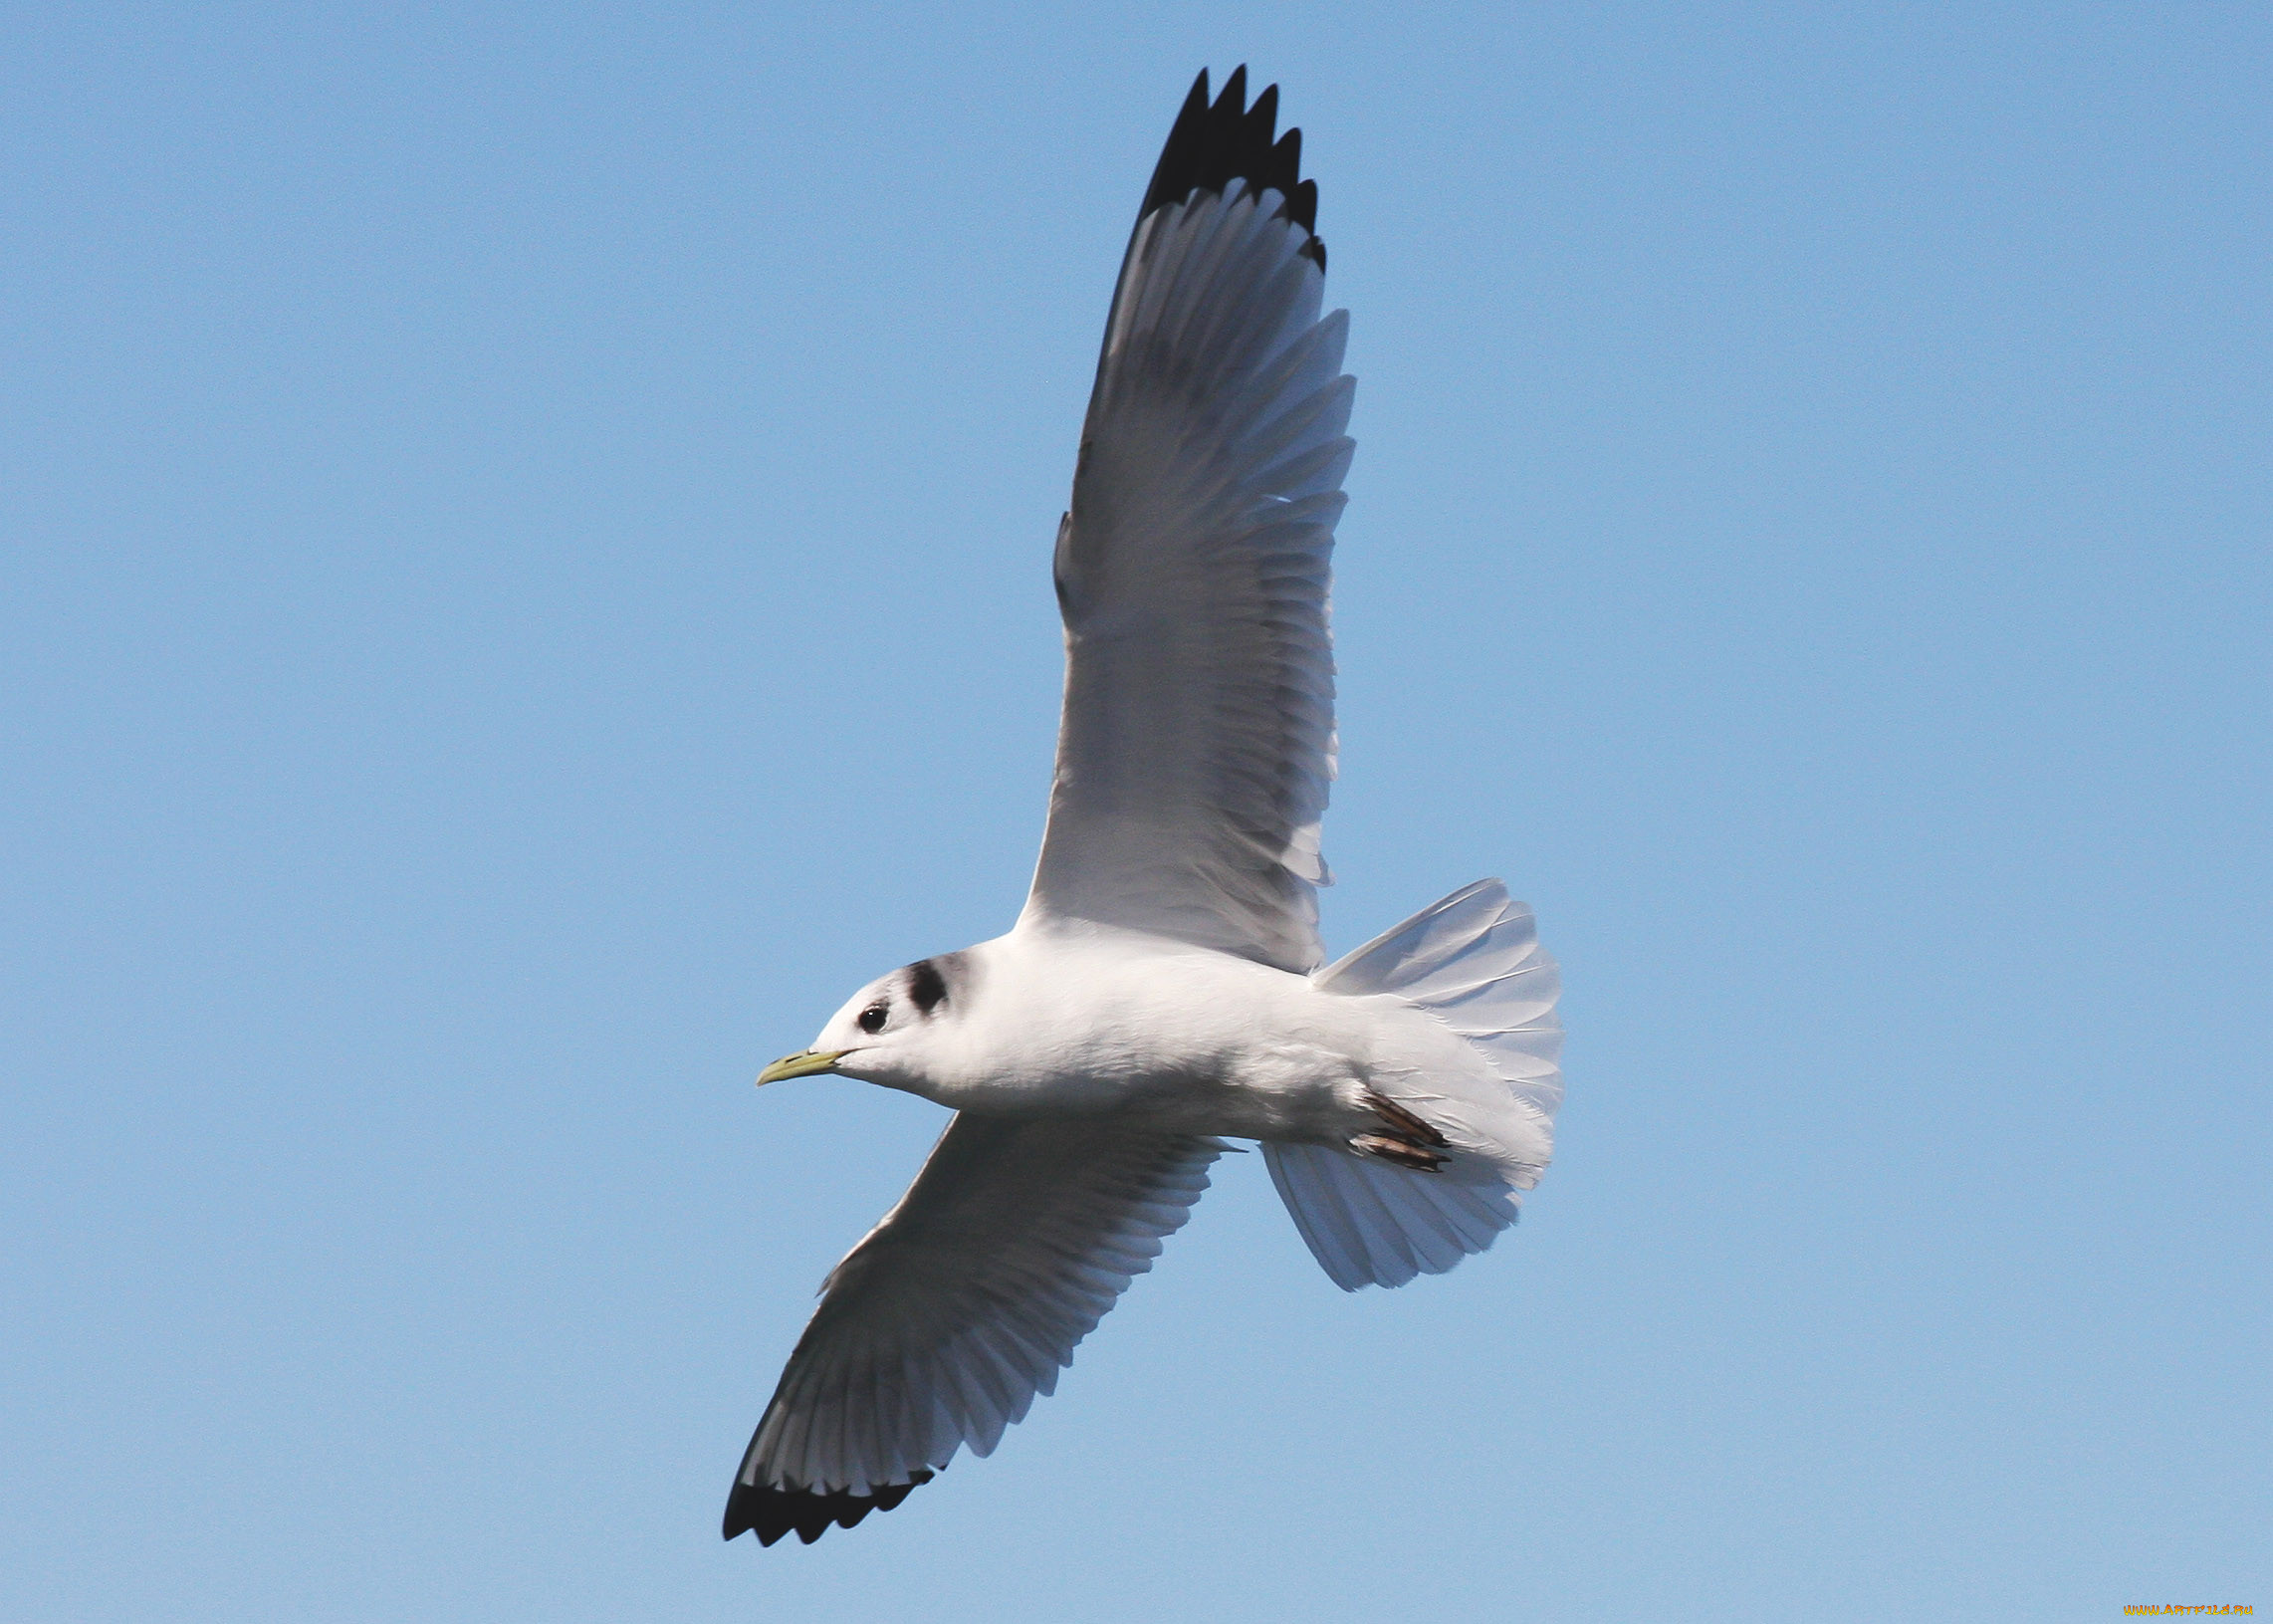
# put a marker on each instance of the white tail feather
(1474, 962)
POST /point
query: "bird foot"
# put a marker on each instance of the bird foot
(1416, 1157)
(1410, 1141)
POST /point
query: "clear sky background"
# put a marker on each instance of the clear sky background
(525, 584)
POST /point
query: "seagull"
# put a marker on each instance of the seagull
(1164, 990)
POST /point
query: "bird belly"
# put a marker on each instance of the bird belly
(1245, 1085)
(1186, 1040)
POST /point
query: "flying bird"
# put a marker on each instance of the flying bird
(1162, 990)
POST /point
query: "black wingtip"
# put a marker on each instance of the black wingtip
(1214, 143)
(771, 1512)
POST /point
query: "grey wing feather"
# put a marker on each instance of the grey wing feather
(940, 1327)
(1197, 743)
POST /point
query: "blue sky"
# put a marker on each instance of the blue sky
(524, 584)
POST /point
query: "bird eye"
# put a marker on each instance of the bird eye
(873, 1017)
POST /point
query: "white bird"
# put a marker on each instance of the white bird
(1162, 989)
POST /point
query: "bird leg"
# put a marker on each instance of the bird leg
(1408, 1142)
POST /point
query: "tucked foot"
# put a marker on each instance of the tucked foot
(1417, 1157)
(1409, 1141)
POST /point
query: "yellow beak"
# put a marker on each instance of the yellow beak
(801, 1066)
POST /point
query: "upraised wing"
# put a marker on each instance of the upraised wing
(939, 1328)
(1197, 743)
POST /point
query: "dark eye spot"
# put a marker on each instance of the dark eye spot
(873, 1017)
(926, 986)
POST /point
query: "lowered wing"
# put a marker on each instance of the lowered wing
(939, 1328)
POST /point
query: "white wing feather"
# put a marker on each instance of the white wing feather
(1197, 743)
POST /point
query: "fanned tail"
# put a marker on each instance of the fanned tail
(1473, 962)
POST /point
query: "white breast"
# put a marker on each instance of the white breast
(1083, 1018)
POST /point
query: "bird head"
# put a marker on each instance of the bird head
(884, 1030)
